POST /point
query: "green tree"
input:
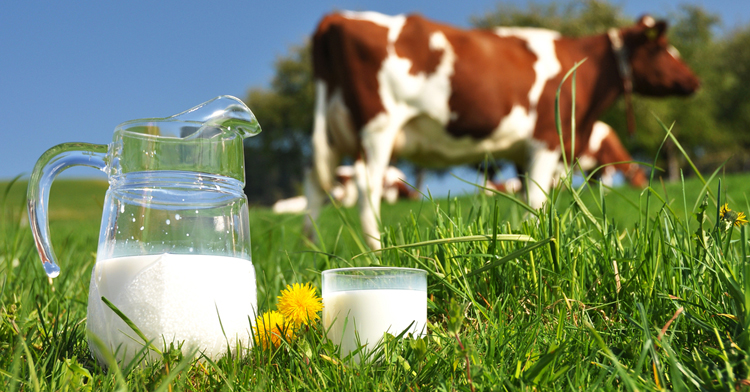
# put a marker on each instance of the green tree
(274, 159)
(734, 101)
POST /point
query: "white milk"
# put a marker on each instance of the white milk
(371, 313)
(172, 298)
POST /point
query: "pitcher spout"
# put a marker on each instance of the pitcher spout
(224, 113)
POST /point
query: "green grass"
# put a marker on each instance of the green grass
(624, 290)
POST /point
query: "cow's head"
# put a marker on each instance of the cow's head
(657, 69)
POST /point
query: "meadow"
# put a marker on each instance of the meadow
(602, 289)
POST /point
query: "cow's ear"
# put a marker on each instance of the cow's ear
(661, 27)
(656, 31)
(652, 28)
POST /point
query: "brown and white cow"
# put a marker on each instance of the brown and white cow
(404, 86)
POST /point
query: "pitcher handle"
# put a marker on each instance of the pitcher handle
(49, 165)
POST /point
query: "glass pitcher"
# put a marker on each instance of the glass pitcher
(174, 245)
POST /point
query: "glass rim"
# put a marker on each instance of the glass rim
(384, 268)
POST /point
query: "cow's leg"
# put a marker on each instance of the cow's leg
(325, 159)
(369, 203)
(377, 145)
(316, 196)
(633, 173)
(610, 151)
(560, 174)
(607, 177)
(319, 180)
(542, 166)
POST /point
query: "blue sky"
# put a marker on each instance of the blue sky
(72, 71)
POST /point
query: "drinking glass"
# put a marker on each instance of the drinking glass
(361, 304)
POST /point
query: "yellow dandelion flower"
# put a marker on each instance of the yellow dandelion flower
(299, 304)
(741, 219)
(732, 217)
(724, 209)
(270, 328)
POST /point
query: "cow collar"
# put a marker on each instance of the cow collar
(626, 73)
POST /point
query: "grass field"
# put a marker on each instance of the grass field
(623, 290)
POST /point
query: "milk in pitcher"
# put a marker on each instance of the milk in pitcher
(173, 298)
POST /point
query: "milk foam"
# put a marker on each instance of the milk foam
(371, 313)
(173, 298)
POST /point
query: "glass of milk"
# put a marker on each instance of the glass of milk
(361, 304)
(174, 245)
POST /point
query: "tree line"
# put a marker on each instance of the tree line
(713, 126)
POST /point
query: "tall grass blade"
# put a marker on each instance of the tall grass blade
(558, 117)
(682, 150)
(34, 378)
